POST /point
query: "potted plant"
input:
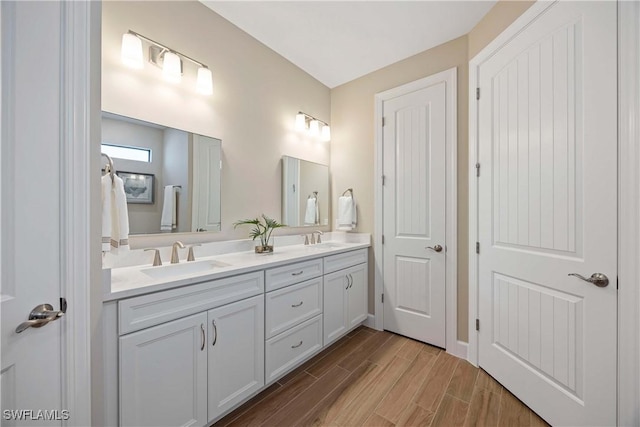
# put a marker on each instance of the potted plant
(263, 227)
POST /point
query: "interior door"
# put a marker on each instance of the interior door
(414, 214)
(206, 183)
(548, 210)
(30, 220)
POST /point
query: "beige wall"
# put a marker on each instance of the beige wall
(353, 144)
(252, 110)
(501, 15)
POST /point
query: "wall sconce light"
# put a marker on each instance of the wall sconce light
(314, 126)
(168, 59)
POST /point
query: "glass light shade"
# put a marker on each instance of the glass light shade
(172, 67)
(131, 51)
(301, 121)
(326, 133)
(204, 84)
(314, 127)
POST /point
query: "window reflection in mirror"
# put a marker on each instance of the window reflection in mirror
(185, 167)
(305, 193)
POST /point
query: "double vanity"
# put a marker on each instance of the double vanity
(187, 343)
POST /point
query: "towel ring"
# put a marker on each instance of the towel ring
(348, 190)
(112, 171)
(315, 195)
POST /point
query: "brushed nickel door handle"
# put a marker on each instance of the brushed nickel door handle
(598, 279)
(436, 248)
(40, 315)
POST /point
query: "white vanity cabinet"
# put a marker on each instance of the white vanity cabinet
(163, 374)
(235, 353)
(190, 354)
(345, 293)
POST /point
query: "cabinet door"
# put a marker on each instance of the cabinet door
(357, 295)
(335, 305)
(163, 374)
(236, 353)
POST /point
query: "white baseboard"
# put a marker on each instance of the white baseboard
(459, 349)
(370, 322)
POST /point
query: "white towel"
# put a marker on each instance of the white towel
(115, 215)
(347, 213)
(168, 222)
(311, 213)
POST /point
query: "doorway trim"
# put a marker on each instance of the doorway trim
(79, 249)
(628, 198)
(449, 77)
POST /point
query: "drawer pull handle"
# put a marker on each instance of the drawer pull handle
(298, 273)
(297, 345)
(215, 332)
(297, 305)
(202, 332)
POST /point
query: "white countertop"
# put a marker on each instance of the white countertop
(126, 282)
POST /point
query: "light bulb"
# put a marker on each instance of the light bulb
(204, 84)
(301, 121)
(172, 67)
(314, 127)
(326, 133)
(131, 51)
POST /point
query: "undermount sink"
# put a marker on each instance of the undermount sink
(327, 245)
(182, 269)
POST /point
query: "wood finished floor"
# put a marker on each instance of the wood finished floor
(373, 378)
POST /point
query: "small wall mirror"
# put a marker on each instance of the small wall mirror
(165, 169)
(305, 193)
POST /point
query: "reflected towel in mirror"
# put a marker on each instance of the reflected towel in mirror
(169, 220)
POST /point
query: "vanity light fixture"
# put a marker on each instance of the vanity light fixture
(171, 61)
(314, 126)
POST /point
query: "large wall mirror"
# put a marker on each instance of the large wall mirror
(171, 177)
(305, 193)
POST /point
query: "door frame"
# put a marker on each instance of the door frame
(80, 207)
(449, 77)
(628, 198)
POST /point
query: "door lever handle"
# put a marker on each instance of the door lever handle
(598, 279)
(40, 316)
(436, 248)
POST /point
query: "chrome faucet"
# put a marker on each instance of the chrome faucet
(318, 240)
(174, 252)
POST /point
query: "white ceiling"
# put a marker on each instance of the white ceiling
(338, 41)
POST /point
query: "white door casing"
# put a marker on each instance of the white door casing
(206, 183)
(47, 122)
(416, 149)
(547, 199)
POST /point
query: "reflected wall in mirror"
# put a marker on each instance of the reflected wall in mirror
(305, 193)
(185, 169)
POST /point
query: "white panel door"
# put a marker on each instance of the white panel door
(548, 208)
(236, 353)
(414, 214)
(31, 216)
(163, 374)
(206, 183)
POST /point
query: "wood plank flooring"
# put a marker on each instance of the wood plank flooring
(373, 378)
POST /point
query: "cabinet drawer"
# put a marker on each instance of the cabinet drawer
(292, 305)
(338, 262)
(279, 277)
(291, 348)
(149, 310)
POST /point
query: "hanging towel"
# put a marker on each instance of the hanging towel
(115, 215)
(311, 213)
(347, 213)
(168, 222)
